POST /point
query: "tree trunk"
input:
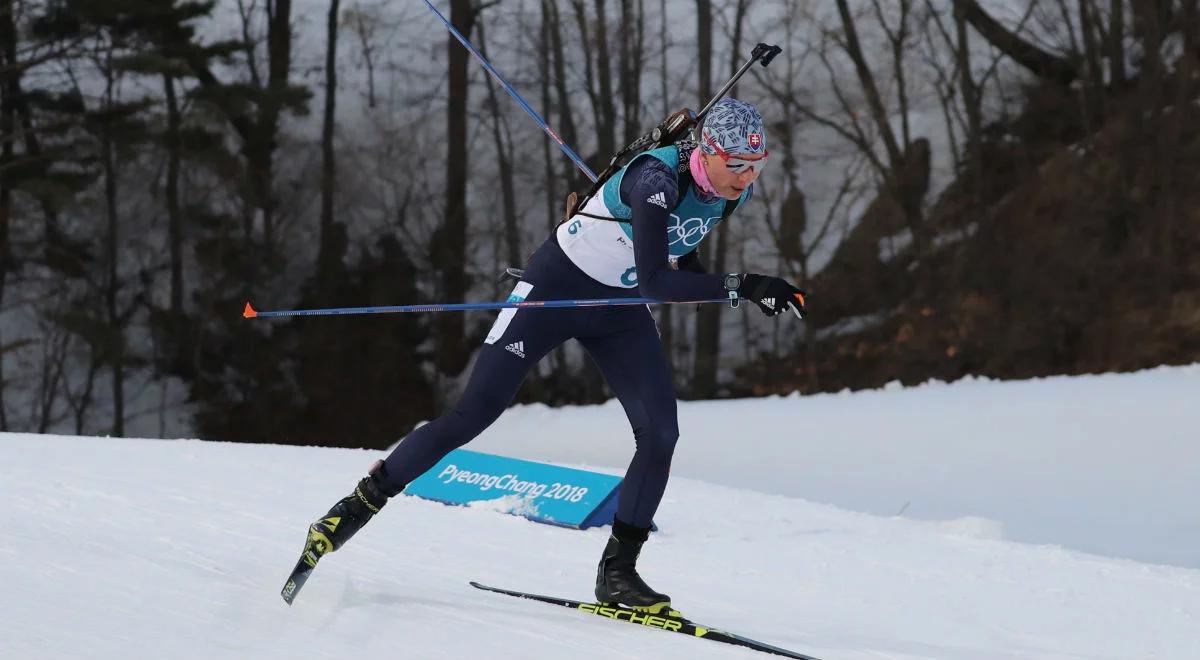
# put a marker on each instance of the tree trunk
(1088, 27)
(898, 40)
(631, 65)
(553, 203)
(85, 397)
(704, 23)
(735, 54)
(1190, 26)
(112, 344)
(547, 65)
(1116, 41)
(905, 182)
(504, 162)
(607, 143)
(585, 48)
(331, 245)
(664, 39)
(364, 27)
(566, 120)
(260, 149)
(174, 216)
(450, 240)
(258, 133)
(971, 100)
(53, 367)
(8, 134)
(870, 90)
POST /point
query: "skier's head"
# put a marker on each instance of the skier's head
(733, 146)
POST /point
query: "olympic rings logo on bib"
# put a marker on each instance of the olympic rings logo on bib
(689, 232)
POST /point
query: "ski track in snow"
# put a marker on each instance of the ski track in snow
(122, 548)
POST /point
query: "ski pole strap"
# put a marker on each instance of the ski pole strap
(251, 313)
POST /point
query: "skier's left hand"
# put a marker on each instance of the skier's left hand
(773, 295)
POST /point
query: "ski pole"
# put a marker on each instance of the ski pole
(252, 313)
(762, 52)
(513, 93)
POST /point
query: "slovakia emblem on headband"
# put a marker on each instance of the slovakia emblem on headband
(755, 141)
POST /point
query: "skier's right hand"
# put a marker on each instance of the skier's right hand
(773, 295)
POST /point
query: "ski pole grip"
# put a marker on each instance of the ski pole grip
(765, 53)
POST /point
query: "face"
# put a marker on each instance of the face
(730, 184)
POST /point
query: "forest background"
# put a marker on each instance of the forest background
(1004, 188)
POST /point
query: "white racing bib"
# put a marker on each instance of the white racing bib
(600, 248)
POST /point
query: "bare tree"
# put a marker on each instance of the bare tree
(906, 176)
(331, 239)
(1090, 28)
(502, 138)
(961, 81)
(171, 185)
(631, 51)
(594, 45)
(449, 245)
(364, 24)
(867, 79)
(113, 346)
(607, 128)
(1041, 63)
(270, 97)
(566, 118)
(55, 342)
(1116, 41)
(972, 97)
(260, 144)
(9, 81)
(704, 48)
(553, 201)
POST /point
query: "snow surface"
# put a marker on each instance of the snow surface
(122, 548)
(1107, 464)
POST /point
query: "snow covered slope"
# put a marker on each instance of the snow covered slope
(118, 548)
(1108, 464)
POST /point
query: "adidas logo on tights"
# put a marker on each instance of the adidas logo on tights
(517, 348)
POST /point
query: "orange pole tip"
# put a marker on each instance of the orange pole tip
(249, 311)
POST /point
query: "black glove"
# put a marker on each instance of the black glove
(773, 295)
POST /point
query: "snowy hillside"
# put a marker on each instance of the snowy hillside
(1107, 464)
(119, 548)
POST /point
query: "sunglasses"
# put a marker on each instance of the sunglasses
(738, 164)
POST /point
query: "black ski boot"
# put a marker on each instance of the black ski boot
(617, 580)
(336, 527)
(349, 514)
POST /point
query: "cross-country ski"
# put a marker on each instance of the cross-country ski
(667, 621)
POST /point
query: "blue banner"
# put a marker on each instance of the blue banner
(537, 491)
